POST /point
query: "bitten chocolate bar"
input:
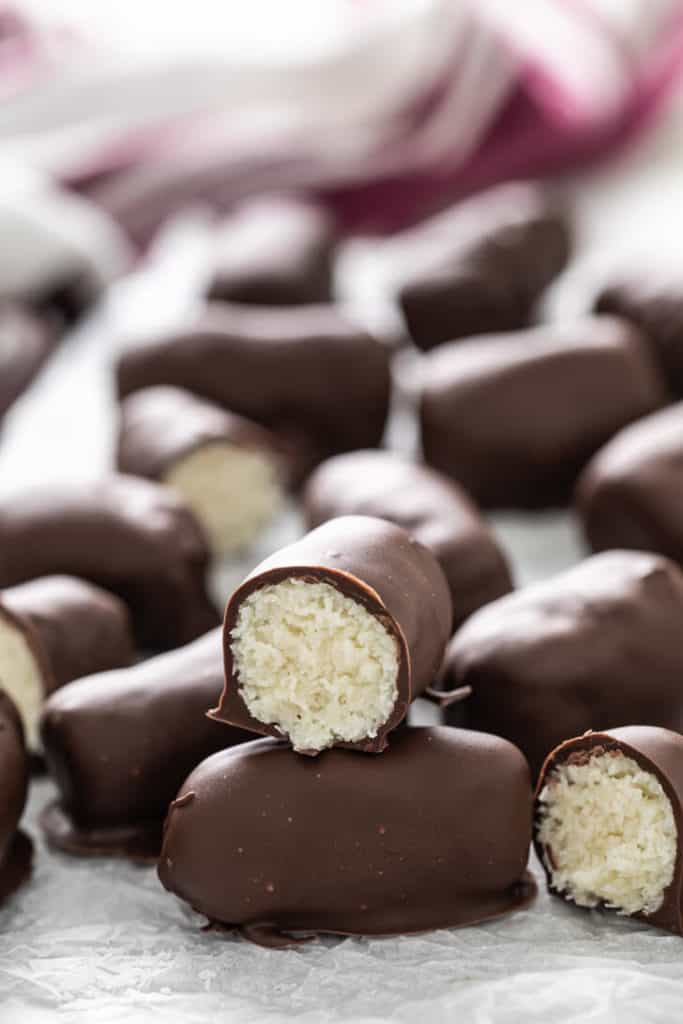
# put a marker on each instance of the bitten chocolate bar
(230, 471)
(329, 640)
(609, 820)
(53, 630)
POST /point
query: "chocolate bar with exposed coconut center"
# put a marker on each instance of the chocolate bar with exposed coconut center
(329, 640)
(230, 471)
(609, 820)
(54, 630)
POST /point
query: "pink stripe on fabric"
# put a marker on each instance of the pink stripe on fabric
(522, 143)
(536, 133)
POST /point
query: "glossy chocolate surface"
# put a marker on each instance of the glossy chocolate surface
(654, 303)
(128, 535)
(596, 646)
(73, 628)
(433, 834)
(658, 751)
(16, 849)
(120, 743)
(274, 252)
(631, 493)
(514, 418)
(159, 426)
(307, 373)
(482, 266)
(381, 567)
(432, 508)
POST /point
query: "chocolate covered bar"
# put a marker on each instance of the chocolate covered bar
(609, 823)
(306, 372)
(630, 493)
(26, 341)
(16, 849)
(274, 252)
(653, 301)
(54, 630)
(515, 417)
(230, 471)
(482, 266)
(128, 535)
(433, 834)
(329, 640)
(596, 646)
(432, 508)
(119, 744)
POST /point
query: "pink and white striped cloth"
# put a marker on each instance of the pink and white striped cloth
(386, 109)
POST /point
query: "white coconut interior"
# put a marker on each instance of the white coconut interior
(21, 678)
(315, 663)
(234, 492)
(609, 834)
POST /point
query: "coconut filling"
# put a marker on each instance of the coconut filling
(608, 834)
(314, 663)
(234, 492)
(22, 679)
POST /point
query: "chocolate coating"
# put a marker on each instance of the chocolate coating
(630, 493)
(488, 260)
(596, 645)
(381, 567)
(26, 341)
(434, 834)
(658, 751)
(514, 418)
(307, 373)
(120, 743)
(130, 536)
(433, 509)
(274, 252)
(654, 303)
(160, 426)
(16, 849)
(73, 627)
